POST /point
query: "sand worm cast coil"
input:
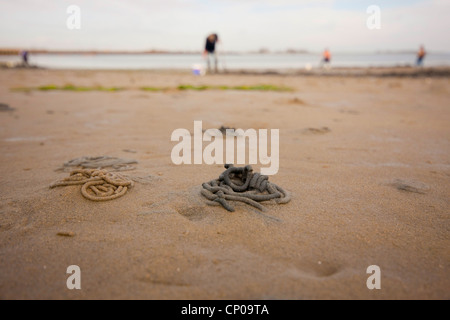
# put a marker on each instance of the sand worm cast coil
(244, 185)
(97, 185)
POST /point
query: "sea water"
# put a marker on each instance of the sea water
(229, 61)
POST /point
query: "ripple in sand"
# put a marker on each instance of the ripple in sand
(156, 212)
(349, 111)
(148, 179)
(317, 131)
(25, 139)
(162, 282)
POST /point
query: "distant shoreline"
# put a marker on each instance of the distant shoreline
(351, 72)
(380, 72)
(13, 52)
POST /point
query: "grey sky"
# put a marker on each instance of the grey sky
(242, 24)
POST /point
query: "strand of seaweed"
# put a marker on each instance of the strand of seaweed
(244, 185)
(97, 185)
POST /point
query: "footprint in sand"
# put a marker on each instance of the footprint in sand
(16, 215)
(188, 204)
(317, 269)
(4, 225)
(193, 213)
(297, 101)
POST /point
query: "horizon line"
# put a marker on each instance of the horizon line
(15, 51)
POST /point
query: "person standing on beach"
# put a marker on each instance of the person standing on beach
(210, 51)
(421, 56)
(24, 55)
(326, 58)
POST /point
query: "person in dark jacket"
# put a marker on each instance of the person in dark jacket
(24, 54)
(210, 51)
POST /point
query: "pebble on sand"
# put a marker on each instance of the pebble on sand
(66, 234)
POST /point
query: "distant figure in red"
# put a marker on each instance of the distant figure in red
(326, 58)
(210, 50)
(421, 56)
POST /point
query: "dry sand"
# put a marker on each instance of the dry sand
(373, 189)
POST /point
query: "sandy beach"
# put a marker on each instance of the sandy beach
(366, 159)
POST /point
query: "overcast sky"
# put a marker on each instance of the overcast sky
(241, 24)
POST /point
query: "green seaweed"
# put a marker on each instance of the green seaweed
(182, 87)
(111, 89)
(152, 89)
(68, 87)
(236, 88)
(262, 87)
(195, 88)
(48, 87)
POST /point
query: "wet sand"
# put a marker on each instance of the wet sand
(366, 160)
